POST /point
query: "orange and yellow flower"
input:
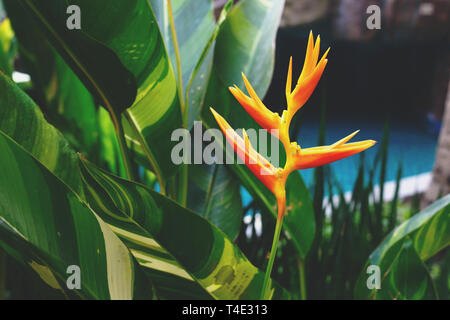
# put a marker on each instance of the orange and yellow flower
(296, 157)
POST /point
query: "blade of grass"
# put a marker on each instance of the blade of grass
(394, 203)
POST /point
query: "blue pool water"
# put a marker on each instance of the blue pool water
(411, 145)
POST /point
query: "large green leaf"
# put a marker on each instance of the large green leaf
(245, 44)
(109, 146)
(66, 103)
(101, 53)
(170, 286)
(74, 105)
(409, 278)
(165, 236)
(45, 225)
(214, 194)
(196, 34)
(415, 240)
(23, 121)
(299, 223)
(87, 55)
(194, 24)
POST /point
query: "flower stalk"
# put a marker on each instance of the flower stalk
(273, 252)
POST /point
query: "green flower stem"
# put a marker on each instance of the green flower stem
(301, 269)
(273, 252)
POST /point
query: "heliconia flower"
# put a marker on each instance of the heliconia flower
(255, 107)
(309, 78)
(297, 158)
(319, 156)
(257, 164)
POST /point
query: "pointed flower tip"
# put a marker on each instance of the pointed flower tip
(248, 86)
(290, 65)
(289, 80)
(343, 141)
(324, 58)
(370, 141)
(325, 55)
(366, 144)
(215, 114)
(354, 133)
(234, 90)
